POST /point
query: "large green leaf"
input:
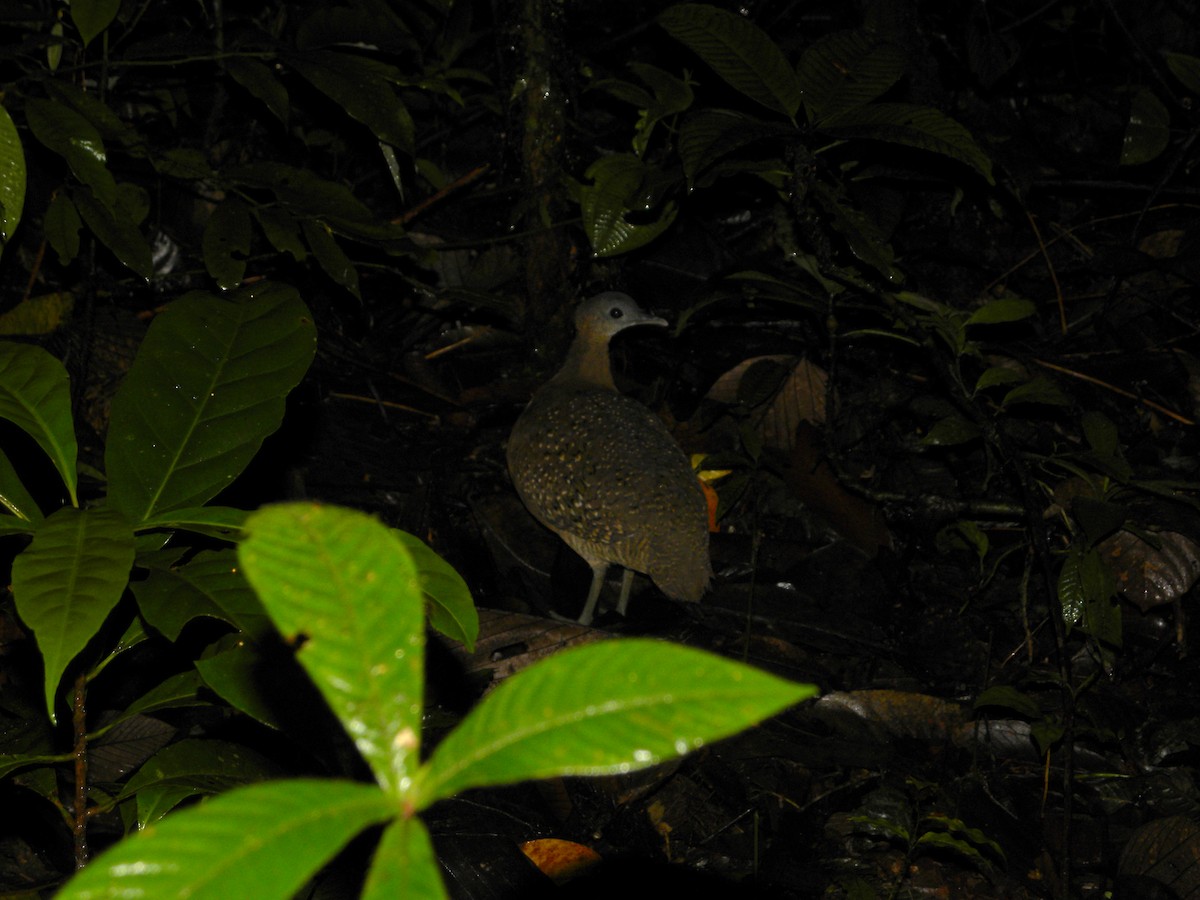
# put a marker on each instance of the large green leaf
(75, 139)
(234, 672)
(13, 495)
(112, 128)
(616, 184)
(342, 587)
(35, 395)
(282, 230)
(262, 841)
(710, 135)
(62, 225)
(601, 709)
(207, 386)
(1186, 68)
(116, 231)
(846, 70)
(912, 126)
(91, 17)
(330, 256)
(12, 177)
(260, 81)
(303, 190)
(200, 766)
(67, 582)
(226, 243)
(866, 239)
(208, 585)
(404, 864)
(451, 609)
(180, 690)
(739, 51)
(361, 87)
(215, 521)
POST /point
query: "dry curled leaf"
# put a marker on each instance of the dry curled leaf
(1151, 576)
(782, 391)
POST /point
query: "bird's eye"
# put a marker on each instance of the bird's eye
(616, 313)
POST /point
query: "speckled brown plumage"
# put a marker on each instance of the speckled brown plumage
(603, 472)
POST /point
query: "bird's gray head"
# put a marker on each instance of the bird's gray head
(610, 312)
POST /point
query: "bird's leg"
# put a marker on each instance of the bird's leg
(626, 586)
(599, 570)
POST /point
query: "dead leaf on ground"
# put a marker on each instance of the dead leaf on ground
(1152, 576)
(782, 391)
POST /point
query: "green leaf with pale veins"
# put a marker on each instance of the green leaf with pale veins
(847, 70)
(451, 609)
(209, 584)
(616, 183)
(601, 709)
(35, 395)
(342, 588)
(207, 387)
(68, 580)
(404, 864)
(911, 126)
(75, 139)
(737, 50)
(262, 841)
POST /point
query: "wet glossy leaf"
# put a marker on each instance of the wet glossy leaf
(404, 864)
(199, 766)
(234, 674)
(451, 609)
(75, 139)
(343, 589)
(607, 201)
(67, 582)
(203, 853)
(207, 585)
(35, 395)
(207, 386)
(603, 708)
(12, 177)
